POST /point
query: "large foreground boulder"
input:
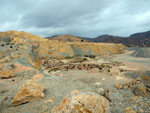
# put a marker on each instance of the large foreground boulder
(82, 103)
(28, 92)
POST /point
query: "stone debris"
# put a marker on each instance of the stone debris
(82, 103)
(118, 86)
(102, 68)
(28, 92)
(129, 110)
(146, 80)
(26, 57)
(128, 84)
(140, 90)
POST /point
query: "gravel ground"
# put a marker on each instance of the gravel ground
(142, 52)
(61, 83)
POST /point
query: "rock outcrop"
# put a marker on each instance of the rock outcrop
(7, 74)
(83, 103)
(28, 92)
(43, 47)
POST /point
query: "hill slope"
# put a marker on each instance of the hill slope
(54, 48)
(67, 38)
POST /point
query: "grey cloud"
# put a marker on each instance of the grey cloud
(58, 13)
(77, 17)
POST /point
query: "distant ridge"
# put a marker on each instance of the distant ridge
(138, 39)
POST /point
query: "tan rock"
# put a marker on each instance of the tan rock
(28, 92)
(75, 92)
(36, 64)
(140, 90)
(37, 76)
(1, 66)
(133, 82)
(82, 103)
(138, 82)
(14, 56)
(126, 87)
(49, 100)
(1, 81)
(136, 98)
(7, 74)
(21, 68)
(129, 110)
(118, 86)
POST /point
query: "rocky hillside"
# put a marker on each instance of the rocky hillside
(55, 48)
(67, 38)
(137, 39)
(38, 75)
(33, 50)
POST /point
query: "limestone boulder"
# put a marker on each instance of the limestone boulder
(28, 92)
(7, 74)
(82, 103)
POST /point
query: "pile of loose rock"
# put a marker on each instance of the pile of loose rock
(81, 67)
(128, 84)
(137, 86)
(50, 63)
(104, 67)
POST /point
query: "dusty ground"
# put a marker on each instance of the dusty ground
(134, 63)
(120, 99)
(116, 69)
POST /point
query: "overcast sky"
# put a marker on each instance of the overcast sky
(88, 18)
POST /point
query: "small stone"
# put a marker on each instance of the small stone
(49, 100)
(44, 109)
(118, 86)
(135, 98)
(126, 87)
(141, 111)
(101, 91)
(138, 82)
(129, 110)
(133, 82)
(98, 84)
(103, 79)
(75, 92)
(37, 76)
